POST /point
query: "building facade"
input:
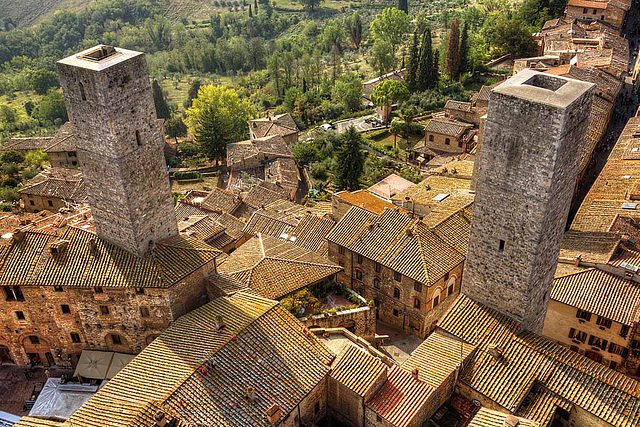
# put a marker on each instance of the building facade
(526, 175)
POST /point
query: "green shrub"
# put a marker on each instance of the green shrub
(187, 175)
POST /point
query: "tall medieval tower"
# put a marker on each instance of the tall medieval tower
(120, 146)
(526, 171)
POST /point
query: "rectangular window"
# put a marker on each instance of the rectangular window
(584, 315)
(416, 303)
(396, 293)
(358, 274)
(98, 289)
(376, 283)
(618, 349)
(584, 10)
(341, 250)
(104, 310)
(581, 336)
(436, 301)
(8, 292)
(396, 312)
(598, 342)
(603, 321)
(447, 141)
(417, 286)
(50, 203)
(624, 331)
(359, 259)
(34, 340)
(144, 311)
(397, 276)
(430, 138)
(20, 315)
(18, 293)
(139, 291)
(75, 337)
(378, 267)
(58, 289)
(115, 338)
(450, 290)
(460, 142)
(446, 276)
(65, 309)
(501, 246)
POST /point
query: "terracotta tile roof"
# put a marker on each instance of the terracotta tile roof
(455, 230)
(238, 151)
(437, 358)
(201, 227)
(229, 285)
(488, 418)
(311, 233)
(274, 268)
(271, 223)
(461, 168)
(258, 149)
(30, 262)
(221, 201)
(400, 398)
(588, 4)
(524, 359)
(26, 144)
(64, 141)
(356, 369)
(397, 241)
(483, 93)
(466, 107)
(59, 183)
(611, 194)
(448, 127)
(200, 373)
(265, 193)
(540, 405)
(365, 200)
(589, 246)
(281, 125)
(600, 293)
(390, 186)
(27, 421)
(425, 191)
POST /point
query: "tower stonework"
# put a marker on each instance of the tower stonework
(120, 146)
(526, 171)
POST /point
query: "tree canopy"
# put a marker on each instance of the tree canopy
(390, 26)
(350, 161)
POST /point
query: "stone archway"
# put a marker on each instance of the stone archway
(38, 350)
(5, 355)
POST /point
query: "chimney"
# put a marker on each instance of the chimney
(58, 247)
(273, 413)
(18, 236)
(415, 373)
(511, 421)
(250, 392)
(93, 246)
(496, 352)
(219, 322)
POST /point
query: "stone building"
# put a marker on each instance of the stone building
(119, 141)
(526, 175)
(444, 135)
(459, 110)
(52, 190)
(62, 151)
(397, 261)
(256, 153)
(281, 125)
(612, 12)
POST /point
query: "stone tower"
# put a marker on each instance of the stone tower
(533, 140)
(120, 146)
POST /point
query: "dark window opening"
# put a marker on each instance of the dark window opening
(450, 290)
(396, 312)
(138, 140)
(416, 303)
(359, 259)
(603, 321)
(144, 311)
(50, 203)
(397, 276)
(58, 289)
(378, 267)
(98, 289)
(31, 203)
(116, 339)
(34, 340)
(417, 286)
(65, 309)
(376, 283)
(140, 291)
(582, 314)
(436, 301)
(501, 246)
(75, 337)
(83, 95)
(396, 293)
(447, 141)
(9, 294)
(104, 310)
(20, 315)
(358, 274)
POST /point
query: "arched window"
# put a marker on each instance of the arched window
(359, 274)
(396, 293)
(376, 283)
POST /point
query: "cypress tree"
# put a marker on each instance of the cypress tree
(350, 161)
(162, 109)
(414, 62)
(403, 5)
(435, 71)
(426, 76)
(452, 62)
(464, 49)
(255, 5)
(250, 13)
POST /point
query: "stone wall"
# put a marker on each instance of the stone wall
(439, 142)
(399, 310)
(525, 179)
(96, 315)
(361, 321)
(63, 159)
(33, 203)
(120, 143)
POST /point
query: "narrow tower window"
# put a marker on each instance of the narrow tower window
(501, 247)
(82, 93)
(138, 140)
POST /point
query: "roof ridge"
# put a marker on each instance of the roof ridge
(575, 273)
(296, 261)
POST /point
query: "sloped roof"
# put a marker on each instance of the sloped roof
(588, 4)
(596, 247)
(356, 369)
(365, 200)
(455, 230)
(65, 139)
(221, 200)
(397, 241)
(29, 261)
(488, 418)
(59, 183)
(448, 127)
(600, 293)
(390, 186)
(274, 268)
(452, 104)
(200, 373)
(265, 193)
(200, 226)
(528, 359)
(400, 398)
(283, 171)
(26, 144)
(281, 125)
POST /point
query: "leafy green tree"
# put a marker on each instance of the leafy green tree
(348, 92)
(310, 5)
(43, 80)
(11, 156)
(28, 107)
(35, 158)
(353, 26)
(51, 108)
(162, 109)
(305, 153)
(333, 35)
(218, 117)
(396, 128)
(175, 127)
(464, 49)
(382, 58)
(390, 26)
(194, 87)
(7, 115)
(510, 35)
(413, 65)
(388, 92)
(453, 60)
(350, 161)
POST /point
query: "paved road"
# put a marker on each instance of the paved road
(358, 123)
